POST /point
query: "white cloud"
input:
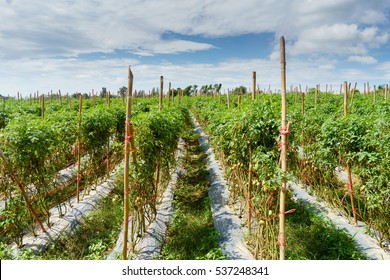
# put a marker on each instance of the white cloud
(338, 39)
(362, 59)
(45, 38)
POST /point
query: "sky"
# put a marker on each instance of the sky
(80, 46)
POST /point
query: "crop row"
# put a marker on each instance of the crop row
(37, 149)
(322, 144)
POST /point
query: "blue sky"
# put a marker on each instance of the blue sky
(77, 46)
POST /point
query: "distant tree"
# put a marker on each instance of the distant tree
(103, 93)
(217, 87)
(194, 89)
(187, 90)
(122, 91)
(240, 90)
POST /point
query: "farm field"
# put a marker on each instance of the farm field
(57, 152)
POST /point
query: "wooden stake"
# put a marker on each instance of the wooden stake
(126, 170)
(253, 85)
(353, 94)
(249, 198)
(169, 93)
(129, 138)
(374, 94)
(345, 98)
(79, 150)
(43, 107)
(282, 234)
(350, 189)
(303, 100)
(161, 92)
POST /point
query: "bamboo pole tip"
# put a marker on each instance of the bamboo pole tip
(130, 73)
(282, 41)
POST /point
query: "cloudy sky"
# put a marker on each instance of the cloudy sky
(88, 44)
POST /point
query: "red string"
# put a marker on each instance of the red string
(287, 212)
(281, 240)
(285, 131)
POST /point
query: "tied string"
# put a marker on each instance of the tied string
(131, 217)
(281, 240)
(128, 138)
(131, 151)
(276, 215)
(284, 131)
(349, 191)
(280, 144)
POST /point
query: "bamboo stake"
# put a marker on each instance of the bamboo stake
(108, 99)
(353, 93)
(253, 85)
(228, 99)
(43, 107)
(303, 100)
(282, 234)
(12, 174)
(345, 98)
(350, 189)
(79, 149)
(374, 94)
(161, 92)
(126, 171)
(157, 177)
(128, 136)
(249, 198)
(70, 102)
(386, 91)
(169, 93)
(350, 186)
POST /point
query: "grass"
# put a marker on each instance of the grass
(312, 237)
(191, 235)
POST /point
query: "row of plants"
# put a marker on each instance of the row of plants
(355, 143)
(247, 138)
(36, 150)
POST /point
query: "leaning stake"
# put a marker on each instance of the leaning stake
(284, 133)
(22, 190)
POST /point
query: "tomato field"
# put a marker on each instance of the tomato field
(55, 151)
